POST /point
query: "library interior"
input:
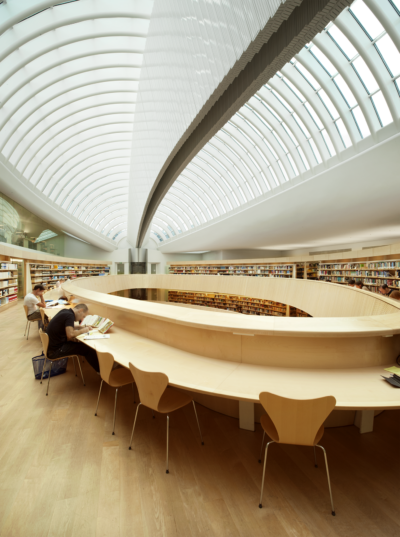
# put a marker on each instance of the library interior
(199, 268)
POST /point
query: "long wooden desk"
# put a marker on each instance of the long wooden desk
(227, 358)
(354, 389)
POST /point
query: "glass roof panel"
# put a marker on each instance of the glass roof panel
(293, 88)
(391, 56)
(344, 135)
(345, 91)
(301, 125)
(314, 115)
(361, 123)
(396, 5)
(328, 143)
(307, 76)
(323, 60)
(365, 75)
(342, 42)
(314, 148)
(367, 19)
(382, 109)
(328, 104)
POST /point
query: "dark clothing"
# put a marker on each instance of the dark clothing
(390, 292)
(72, 347)
(60, 346)
(56, 329)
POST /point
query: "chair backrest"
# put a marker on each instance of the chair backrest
(297, 421)
(26, 311)
(42, 314)
(45, 341)
(150, 386)
(106, 362)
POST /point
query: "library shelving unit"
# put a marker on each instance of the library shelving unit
(312, 270)
(372, 273)
(8, 284)
(259, 270)
(46, 273)
(240, 304)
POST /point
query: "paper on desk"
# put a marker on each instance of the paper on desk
(393, 369)
(97, 336)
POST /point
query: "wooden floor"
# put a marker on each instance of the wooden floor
(62, 473)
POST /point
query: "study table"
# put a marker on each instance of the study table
(342, 351)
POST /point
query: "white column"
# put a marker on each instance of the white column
(364, 420)
(246, 415)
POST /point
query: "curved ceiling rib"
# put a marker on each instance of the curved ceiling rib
(341, 88)
(69, 78)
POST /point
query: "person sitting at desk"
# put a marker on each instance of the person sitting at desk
(61, 293)
(395, 295)
(385, 290)
(359, 285)
(34, 301)
(62, 333)
(351, 282)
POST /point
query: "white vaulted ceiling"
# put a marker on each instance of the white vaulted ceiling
(338, 96)
(69, 79)
(97, 95)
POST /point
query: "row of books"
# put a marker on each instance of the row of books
(9, 266)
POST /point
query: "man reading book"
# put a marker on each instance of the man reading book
(62, 333)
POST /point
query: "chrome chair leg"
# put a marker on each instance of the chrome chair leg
(115, 409)
(198, 423)
(263, 476)
(167, 471)
(79, 363)
(315, 458)
(133, 389)
(262, 443)
(48, 382)
(73, 358)
(26, 327)
(98, 399)
(29, 327)
(44, 363)
(329, 481)
(134, 423)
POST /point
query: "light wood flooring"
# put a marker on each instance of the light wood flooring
(63, 474)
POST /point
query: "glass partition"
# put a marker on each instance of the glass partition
(20, 227)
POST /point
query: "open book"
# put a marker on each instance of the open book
(99, 323)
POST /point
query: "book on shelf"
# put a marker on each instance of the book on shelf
(101, 324)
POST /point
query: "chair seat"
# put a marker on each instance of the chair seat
(271, 431)
(120, 377)
(173, 399)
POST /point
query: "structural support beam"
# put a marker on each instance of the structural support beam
(246, 415)
(266, 55)
(364, 420)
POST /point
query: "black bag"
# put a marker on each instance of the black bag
(58, 368)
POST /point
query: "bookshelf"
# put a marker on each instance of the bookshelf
(371, 273)
(240, 304)
(8, 284)
(47, 273)
(259, 270)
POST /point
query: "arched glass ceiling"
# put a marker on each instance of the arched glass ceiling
(69, 76)
(341, 88)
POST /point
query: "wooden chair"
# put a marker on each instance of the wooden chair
(116, 378)
(293, 421)
(45, 342)
(28, 321)
(155, 394)
(45, 319)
